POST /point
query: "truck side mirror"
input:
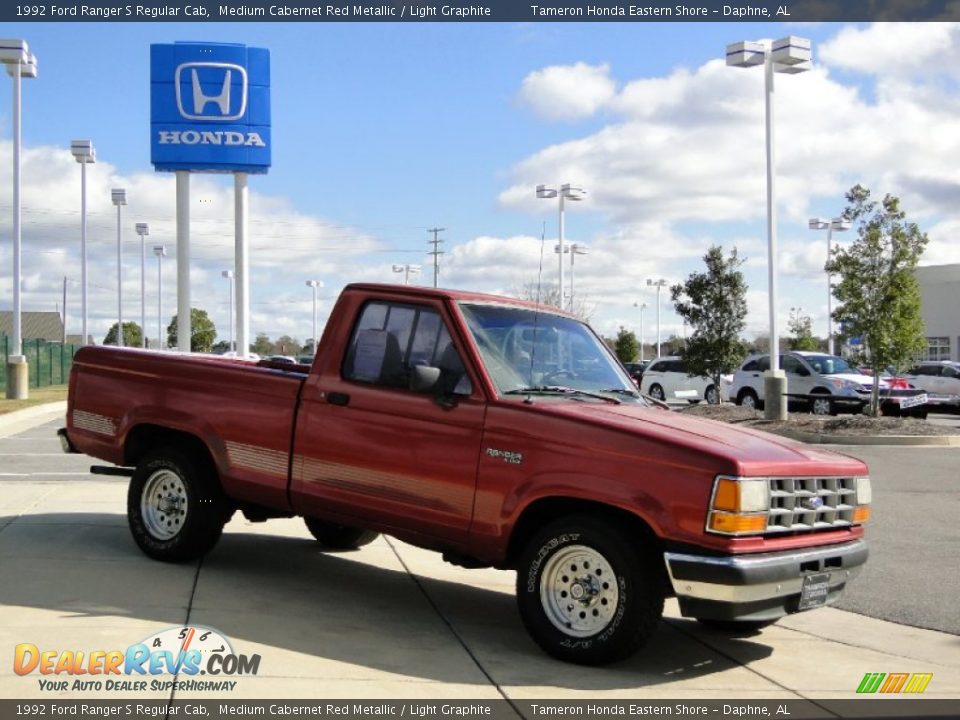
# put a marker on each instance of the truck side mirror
(424, 378)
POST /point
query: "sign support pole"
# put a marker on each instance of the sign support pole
(242, 261)
(184, 330)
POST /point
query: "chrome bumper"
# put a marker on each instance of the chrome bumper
(762, 586)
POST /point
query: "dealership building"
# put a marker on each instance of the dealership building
(940, 292)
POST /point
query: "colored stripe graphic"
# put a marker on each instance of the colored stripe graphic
(918, 682)
(894, 683)
(870, 682)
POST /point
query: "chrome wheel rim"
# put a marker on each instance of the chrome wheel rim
(821, 406)
(163, 504)
(578, 591)
(747, 401)
(657, 392)
(711, 396)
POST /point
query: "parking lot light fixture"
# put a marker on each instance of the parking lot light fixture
(85, 154)
(407, 271)
(565, 192)
(228, 276)
(20, 63)
(316, 285)
(659, 284)
(839, 224)
(119, 198)
(143, 229)
(789, 55)
(575, 249)
(160, 251)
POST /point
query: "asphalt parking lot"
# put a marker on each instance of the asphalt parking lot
(393, 621)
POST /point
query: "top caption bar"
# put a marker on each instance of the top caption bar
(480, 11)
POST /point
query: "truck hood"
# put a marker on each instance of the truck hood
(752, 452)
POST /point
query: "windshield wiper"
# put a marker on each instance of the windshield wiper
(621, 391)
(562, 390)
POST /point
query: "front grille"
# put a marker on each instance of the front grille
(803, 504)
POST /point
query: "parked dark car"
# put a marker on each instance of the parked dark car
(635, 369)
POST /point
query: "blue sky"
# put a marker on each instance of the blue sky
(383, 130)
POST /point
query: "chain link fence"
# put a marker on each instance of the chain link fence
(49, 362)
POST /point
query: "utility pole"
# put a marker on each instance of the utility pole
(64, 338)
(437, 252)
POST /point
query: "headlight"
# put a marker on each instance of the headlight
(738, 506)
(861, 512)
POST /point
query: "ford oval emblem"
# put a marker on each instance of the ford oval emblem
(813, 503)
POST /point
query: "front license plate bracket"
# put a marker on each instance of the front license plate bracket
(814, 592)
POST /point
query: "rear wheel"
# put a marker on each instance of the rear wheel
(748, 399)
(339, 537)
(587, 593)
(656, 392)
(175, 507)
(711, 395)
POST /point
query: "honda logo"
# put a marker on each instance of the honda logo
(213, 94)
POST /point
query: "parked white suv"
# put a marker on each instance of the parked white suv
(808, 373)
(666, 379)
(941, 381)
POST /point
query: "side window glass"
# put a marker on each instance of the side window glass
(950, 372)
(792, 365)
(763, 364)
(389, 340)
(750, 366)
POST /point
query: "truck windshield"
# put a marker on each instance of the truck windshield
(523, 348)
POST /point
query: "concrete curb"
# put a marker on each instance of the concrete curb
(31, 417)
(916, 440)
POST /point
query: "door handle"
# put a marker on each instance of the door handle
(338, 398)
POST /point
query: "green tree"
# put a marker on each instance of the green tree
(202, 331)
(877, 289)
(221, 346)
(286, 345)
(626, 346)
(801, 329)
(262, 345)
(132, 335)
(714, 304)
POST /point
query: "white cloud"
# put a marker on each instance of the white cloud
(568, 92)
(893, 49)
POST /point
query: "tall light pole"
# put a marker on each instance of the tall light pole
(642, 306)
(20, 64)
(160, 251)
(143, 229)
(228, 275)
(839, 224)
(119, 198)
(317, 284)
(407, 271)
(659, 284)
(566, 192)
(85, 154)
(790, 55)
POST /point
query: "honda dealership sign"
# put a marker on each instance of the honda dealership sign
(210, 107)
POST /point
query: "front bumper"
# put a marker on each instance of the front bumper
(762, 586)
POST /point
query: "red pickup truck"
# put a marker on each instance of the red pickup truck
(497, 432)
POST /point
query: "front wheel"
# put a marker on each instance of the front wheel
(711, 395)
(586, 593)
(656, 392)
(822, 405)
(748, 399)
(175, 507)
(339, 537)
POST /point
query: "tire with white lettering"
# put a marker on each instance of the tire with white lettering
(587, 593)
(339, 537)
(175, 506)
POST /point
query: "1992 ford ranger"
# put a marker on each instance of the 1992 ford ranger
(494, 431)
